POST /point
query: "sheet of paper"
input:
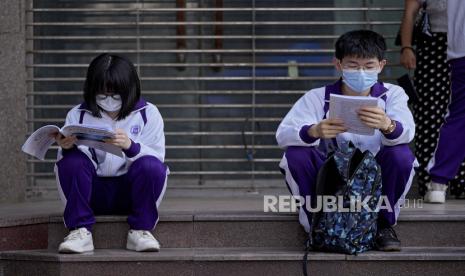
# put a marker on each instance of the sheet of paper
(346, 107)
(38, 143)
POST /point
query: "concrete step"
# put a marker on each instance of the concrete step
(235, 261)
(254, 229)
(215, 222)
(197, 230)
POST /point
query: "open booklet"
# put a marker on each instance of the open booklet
(346, 108)
(92, 136)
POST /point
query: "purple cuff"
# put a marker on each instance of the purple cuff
(303, 133)
(133, 150)
(396, 133)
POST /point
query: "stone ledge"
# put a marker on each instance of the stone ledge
(25, 220)
(204, 209)
(236, 254)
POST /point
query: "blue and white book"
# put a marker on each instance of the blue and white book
(87, 135)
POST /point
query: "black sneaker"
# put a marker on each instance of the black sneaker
(386, 239)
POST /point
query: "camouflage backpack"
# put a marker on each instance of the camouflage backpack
(347, 173)
(359, 176)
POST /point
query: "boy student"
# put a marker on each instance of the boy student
(360, 58)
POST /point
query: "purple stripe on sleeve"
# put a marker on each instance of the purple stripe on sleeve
(144, 116)
(81, 116)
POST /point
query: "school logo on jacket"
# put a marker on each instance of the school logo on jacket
(135, 129)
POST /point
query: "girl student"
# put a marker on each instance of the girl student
(93, 182)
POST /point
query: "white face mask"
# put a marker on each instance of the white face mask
(109, 103)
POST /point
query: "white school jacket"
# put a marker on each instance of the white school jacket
(309, 110)
(144, 126)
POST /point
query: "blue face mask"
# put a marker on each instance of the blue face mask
(359, 80)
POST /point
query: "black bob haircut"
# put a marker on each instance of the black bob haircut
(112, 74)
(360, 44)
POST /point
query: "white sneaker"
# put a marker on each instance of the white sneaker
(78, 241)
(142, 240)
(436, 193)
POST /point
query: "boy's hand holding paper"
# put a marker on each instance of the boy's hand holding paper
(327, 129)
(374, 117)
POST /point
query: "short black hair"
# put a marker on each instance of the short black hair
(108, 73)
(360, 44)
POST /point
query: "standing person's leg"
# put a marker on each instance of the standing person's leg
(300, 166)
(450, 152)
(147, 177)
(75, 173)
(397, 169)
(432, 84)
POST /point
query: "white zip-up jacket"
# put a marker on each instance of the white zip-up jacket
(144, 126)
(309, 110)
